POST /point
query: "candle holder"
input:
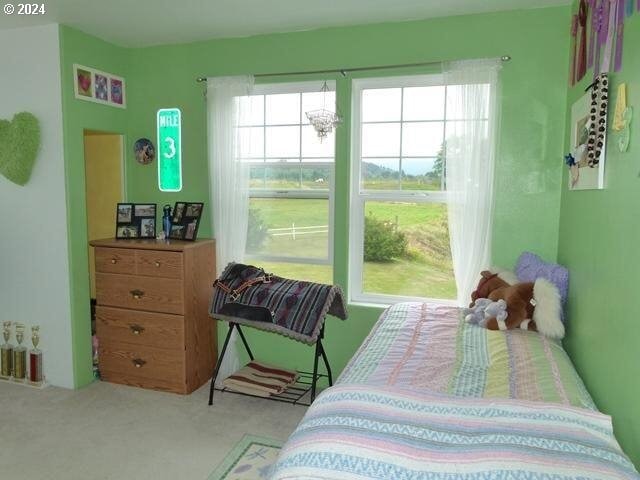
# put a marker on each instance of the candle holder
(6, 353)
(20, 356)
(36, 377)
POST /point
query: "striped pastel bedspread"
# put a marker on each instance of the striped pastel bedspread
(429, 347)
(359, 431)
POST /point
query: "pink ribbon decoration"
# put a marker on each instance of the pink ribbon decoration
(581, 64)
(592, 38)
(574, 34)
(604, 21)
(617, 61)
(600, 22)
(607, 52)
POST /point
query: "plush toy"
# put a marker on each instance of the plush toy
(518, 299)
(475, 313)
(484, 310)
(496, 310)
(532, 306)
(491, 280)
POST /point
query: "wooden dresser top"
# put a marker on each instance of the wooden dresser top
(151, 244)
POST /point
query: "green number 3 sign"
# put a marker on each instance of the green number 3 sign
(169, 124)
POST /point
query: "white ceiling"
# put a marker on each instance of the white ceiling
(135, 23)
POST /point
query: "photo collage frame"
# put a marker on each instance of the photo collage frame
(136, 220)
(100, 87)
(186, 220)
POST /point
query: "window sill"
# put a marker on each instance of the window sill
(362, 304)
(384, 304)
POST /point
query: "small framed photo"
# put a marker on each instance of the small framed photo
(186, 220)
(83, 82)
(125, 213)
(116, 91)
(100, 82)
(127, 231)
(136, 220)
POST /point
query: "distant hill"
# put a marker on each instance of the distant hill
(410, 169)
(371, 171)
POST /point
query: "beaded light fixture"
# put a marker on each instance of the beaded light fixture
(323, 120)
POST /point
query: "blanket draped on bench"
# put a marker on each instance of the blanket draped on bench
(246, 295)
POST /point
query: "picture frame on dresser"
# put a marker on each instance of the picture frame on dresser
(185, 221)
(136, 220)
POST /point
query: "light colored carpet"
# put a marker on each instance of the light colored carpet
(107, 431)
(251, 459)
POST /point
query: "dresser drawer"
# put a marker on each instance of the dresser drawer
(115, 260)
(159, 264)
(140, 328)
(140, 293)
(119, 361)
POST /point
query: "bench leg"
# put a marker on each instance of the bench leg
(314, 380)
(244, 340)
(326, 364)
(220, 358)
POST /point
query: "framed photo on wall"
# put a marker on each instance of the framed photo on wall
(186, 220)
(99, 87)
(136, 220)
(581, 175)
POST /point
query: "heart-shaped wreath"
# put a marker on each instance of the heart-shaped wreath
(19, 145)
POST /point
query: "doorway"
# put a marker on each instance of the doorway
(104, 180)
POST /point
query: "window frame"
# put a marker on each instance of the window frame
(302, 194)
(359, 196)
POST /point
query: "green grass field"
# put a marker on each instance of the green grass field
(425, 272)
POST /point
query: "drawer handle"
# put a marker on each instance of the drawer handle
(114, 261)
(157, 264)
(137, 294)
(138, 362)
(136, 329)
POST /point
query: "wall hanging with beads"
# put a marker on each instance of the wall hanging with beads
(589, 117)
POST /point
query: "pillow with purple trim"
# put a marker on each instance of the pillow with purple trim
(530, 267)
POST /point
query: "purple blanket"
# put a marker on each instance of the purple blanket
(248, 296)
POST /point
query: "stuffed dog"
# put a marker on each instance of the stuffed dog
(534, 306)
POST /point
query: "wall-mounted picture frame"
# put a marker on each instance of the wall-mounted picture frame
(186, 220)
(136, 220)
(96, 86)
(581, 175)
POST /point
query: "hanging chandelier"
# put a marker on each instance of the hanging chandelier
(323, 120)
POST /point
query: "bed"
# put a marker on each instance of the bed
(428, 396)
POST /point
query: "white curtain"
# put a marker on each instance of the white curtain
(472, 120)
(229, 181)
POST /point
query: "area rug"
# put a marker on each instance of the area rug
(250, 459)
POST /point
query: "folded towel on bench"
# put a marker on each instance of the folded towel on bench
(257, 378)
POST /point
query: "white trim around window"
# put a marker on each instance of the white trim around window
(359, 196)
(328, 193)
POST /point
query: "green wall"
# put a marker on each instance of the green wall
(533, 94)
(599, 234)
(76, 47)
(528, 173)
(596, 229)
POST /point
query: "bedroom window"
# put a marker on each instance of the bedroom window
(291, 179)
(399, 238)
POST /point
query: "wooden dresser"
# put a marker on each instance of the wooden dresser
(152, 318)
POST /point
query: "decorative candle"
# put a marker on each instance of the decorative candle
(35, 357)
(6, 353)
(19, 355)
